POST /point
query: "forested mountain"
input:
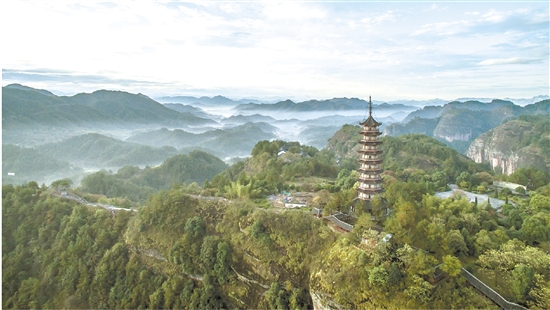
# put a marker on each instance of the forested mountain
(137, 184)
(188, 109)
(28, 164)
(459, 123)
(335, 104)
(202, 101)
(24, 106)
(98, 151)
(242, 119)
(227, 142)
(407, 154)
(520, 143)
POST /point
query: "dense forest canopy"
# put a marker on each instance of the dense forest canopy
(206, 235)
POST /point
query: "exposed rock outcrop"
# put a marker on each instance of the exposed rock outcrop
(510, 146)
(457, 124)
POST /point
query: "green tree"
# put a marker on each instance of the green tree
(481, 189)
(534, 229)
(539, 203)
(520, 190)
(451, 265)
(208, 253)
(456, 243)
(506, 192)
(523, 281)
(378, 277)
(62, 184)
(223, 262)
(195, 227)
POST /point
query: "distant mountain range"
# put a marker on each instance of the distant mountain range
(228, 142)
(184, 108)
(459, 123)
(205, 101)
(241, 119)
(224, 101)
(517, 101)
(335, 104)
(24, 106)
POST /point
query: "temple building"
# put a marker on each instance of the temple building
(370, 182)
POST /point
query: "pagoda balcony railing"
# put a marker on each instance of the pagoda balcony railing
(372, 153)
(369, 148)
(369, 196)
(369, 167)
(370, 190)
(369, 129)
(369, 156)
(370, 133)
(369, 138)
(370, 176)
(371, 161)
(370, 142)
(366, 179)
(370, 186)
(370, 171)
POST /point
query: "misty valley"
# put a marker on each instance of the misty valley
(118, 200)
(109, 130)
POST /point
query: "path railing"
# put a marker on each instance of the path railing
(339, 223)
(489, 292)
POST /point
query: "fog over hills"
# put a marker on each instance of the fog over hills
(110, 129)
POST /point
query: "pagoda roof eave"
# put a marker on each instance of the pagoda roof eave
(370, 122)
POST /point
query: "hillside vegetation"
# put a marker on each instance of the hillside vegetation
(137, 184)
(457, 124)
(28, 164)
(227, 142)
(25, 106)
(98, 151)
(408, 156)
(520, 143)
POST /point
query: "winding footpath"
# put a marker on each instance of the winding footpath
(91, 204)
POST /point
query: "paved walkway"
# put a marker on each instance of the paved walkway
(481, 198)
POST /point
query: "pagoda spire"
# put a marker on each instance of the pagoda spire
(370, 107)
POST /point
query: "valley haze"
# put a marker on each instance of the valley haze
(108, 129)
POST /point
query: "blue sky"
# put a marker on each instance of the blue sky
(298, 50)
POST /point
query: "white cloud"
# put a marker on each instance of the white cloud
(387, 16)
(304, 48)
(293, 10)
(495, 16)
(507, 61)
(444, 28)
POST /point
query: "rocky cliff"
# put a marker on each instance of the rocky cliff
(457, 124)
(515, 144)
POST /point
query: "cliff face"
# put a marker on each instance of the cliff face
(457, 124)
(510, 146)
(484, 149)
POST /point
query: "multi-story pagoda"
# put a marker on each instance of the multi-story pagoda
(370, 182)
